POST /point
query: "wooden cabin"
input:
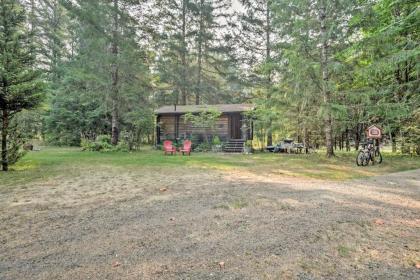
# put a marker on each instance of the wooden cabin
(231, 124)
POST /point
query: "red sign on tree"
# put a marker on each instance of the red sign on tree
(373, 132)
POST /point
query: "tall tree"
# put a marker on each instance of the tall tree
(20, 86)
(211, 46)
(105, 79)
(114, 74)
(256, 39)
(315, 33)
(390, 74)
(174, 40)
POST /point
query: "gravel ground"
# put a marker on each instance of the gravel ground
(206, 224)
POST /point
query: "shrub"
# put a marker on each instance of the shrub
(122, 146)
(103, 139)
(98, 145)
(203, 147)
(159, 147)
(248, 144)
(216, 140)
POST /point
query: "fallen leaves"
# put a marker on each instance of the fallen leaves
(163, 189)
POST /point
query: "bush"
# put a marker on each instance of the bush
(96, 146)
(248, 144)
(203, 147)
(216, 140)
(122, 146)
(15, 152)
(103, 139)
(159, 147)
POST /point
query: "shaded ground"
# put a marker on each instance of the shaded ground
(121, 223)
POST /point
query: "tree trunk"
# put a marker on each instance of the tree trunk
(114, 76)
(183, 55)
(114, 123)
(404, 149)
(4, 132)
(347, 141)
(267, 59)
(356, 138)
(32, 26)
(55, 42)
(393, 142)
(200, 54)
(325, 88)
(306, 139)
(335, 143)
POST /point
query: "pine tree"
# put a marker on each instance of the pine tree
(390, 51)
(174, 52)
(211, 48)
(256, 38)
(315, 33)
(20, 86)
(106, 77)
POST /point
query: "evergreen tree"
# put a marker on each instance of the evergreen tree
(389, 73)
(20, 86)
(174, 47)
(316, 32)
(211, 47)
(257, 39)
(106, 77)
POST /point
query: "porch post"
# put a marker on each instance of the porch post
(157, 130)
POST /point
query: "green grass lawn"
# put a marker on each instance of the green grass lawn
(50, 162)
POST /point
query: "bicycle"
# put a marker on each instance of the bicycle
(368, 153)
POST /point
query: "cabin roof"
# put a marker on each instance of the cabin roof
(223, 108)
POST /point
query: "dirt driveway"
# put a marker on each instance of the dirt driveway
(158, 224)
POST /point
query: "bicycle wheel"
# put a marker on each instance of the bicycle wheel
(360, 159)
(378, 157)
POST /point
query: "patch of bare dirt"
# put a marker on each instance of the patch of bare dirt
(199, 224)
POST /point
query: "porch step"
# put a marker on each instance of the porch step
(234, 146)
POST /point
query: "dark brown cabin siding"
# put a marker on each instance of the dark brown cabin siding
(173, 126)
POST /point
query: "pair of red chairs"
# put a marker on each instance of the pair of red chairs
(169, 148)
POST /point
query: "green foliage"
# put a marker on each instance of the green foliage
(257, 41)
(390, 52)
(85, 99)
(202, 147)
(76, 112)
(248, 144)
(138, 125)
(205, 121)
(110, 63)
(17, 137)
(102, 143)
(216, 140)
(195, 64)
(20, 83)
(106, 139)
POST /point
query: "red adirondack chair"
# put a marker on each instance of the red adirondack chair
(168, 147)
(186, 149)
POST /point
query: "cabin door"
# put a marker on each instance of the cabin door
(235, 126)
